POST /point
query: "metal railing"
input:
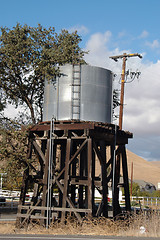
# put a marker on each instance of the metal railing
(9, 202)
(144, 201)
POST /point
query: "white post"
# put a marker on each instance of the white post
(1, 183)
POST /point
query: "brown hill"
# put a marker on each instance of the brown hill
(156, 163)
(142, 169)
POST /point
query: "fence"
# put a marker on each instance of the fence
(153, 202)
(9, 202)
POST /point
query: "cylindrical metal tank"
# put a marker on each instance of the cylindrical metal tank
(81, 92)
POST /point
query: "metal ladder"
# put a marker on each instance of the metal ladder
(76, 91)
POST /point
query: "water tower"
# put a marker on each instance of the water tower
(81, 92)
(69, 146)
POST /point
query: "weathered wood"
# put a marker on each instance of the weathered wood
(99, 155)
(69, 201)
(75, 148)
(33, 207)
(59, 209)
(125, 179)
(104, 179)
(39, 151)
(73, 172)
(94, 182)
(62, 165)
(29, 212)
(72, 158)
(68, 148)
(32, 216)
(89, 153)
(45, 180)
(81, 176)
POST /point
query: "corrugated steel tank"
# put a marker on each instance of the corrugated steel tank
(81, 92)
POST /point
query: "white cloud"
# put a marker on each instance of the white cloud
(142, 112)
(154, 44)
(98, 42)
(142, 97)
(98, 51)
(144, 34)
(81, 29)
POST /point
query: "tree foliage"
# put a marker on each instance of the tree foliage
(116, 102)
(27, 56)
(13, 152)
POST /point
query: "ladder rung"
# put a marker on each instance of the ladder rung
(121, 184)
(76, 91)
(75, 99)
(75, 105)
(76, 84)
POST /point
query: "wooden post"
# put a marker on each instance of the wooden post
(81, 174)
(68, 149)
(104, 182)
(45, 181)
(73, 172)
(125, 179)
(93, 182)
(89, 153)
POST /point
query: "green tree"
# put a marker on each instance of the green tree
(135, 189)
(116, 102)
(27, 56)
(13, 152)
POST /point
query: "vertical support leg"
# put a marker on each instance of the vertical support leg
(73, 173)
(89, 153)
(104, 181)
(82, 172)
(125, 179)
(36, 192)
(62, 165)
(115, 180)
(93, 183)
(45, 180)
(66, 178)
(23, 194)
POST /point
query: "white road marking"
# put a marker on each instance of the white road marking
(53, 237)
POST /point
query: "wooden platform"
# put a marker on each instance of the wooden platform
(61, 167)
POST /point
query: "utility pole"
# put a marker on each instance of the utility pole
(124, 57)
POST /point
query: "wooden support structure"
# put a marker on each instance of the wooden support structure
(62, 169)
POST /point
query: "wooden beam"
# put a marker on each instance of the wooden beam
(69, 201)
(39, 151)
(45, 179)
(72, 158)
(99, 155)
(89, 153)
(104, 179)
(65, 188)
(125, 179)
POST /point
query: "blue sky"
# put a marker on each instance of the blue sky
(127, 20)
(110, 28)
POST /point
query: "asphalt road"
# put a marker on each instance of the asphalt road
(62, 237)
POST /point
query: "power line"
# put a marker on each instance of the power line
(124, 57)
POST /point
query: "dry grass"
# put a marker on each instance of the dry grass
(95, 226)
(7, 227)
